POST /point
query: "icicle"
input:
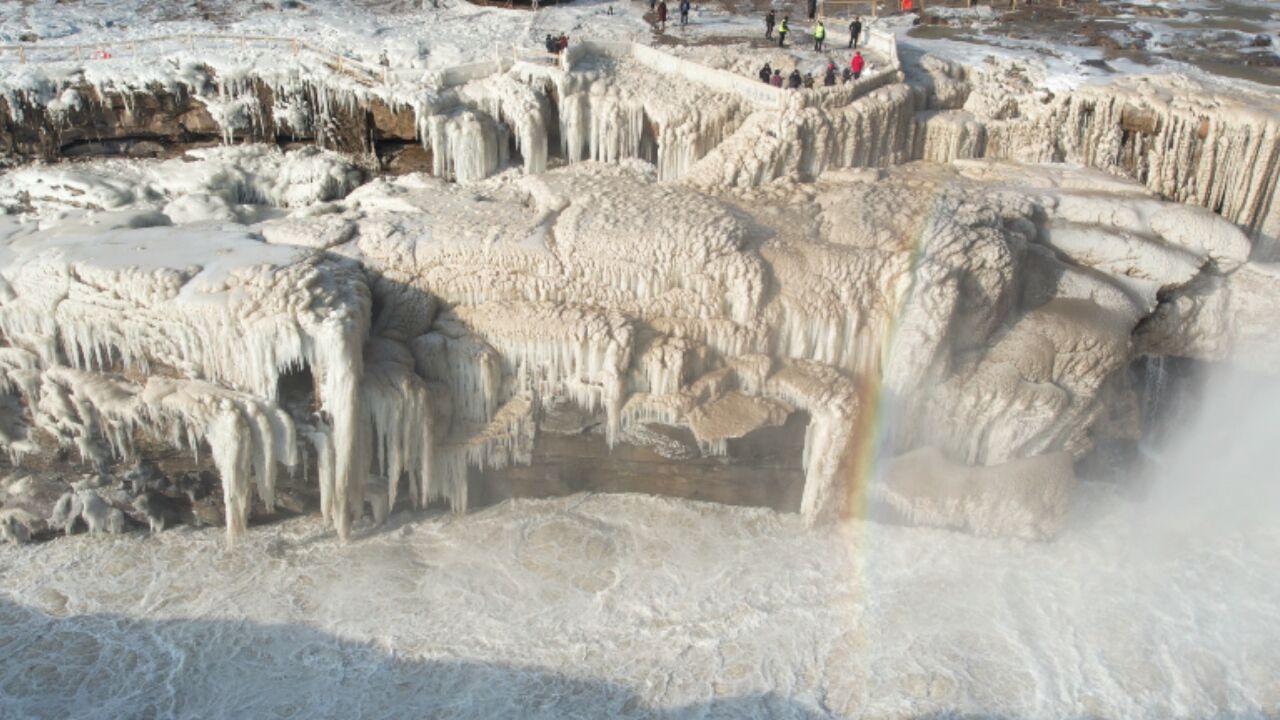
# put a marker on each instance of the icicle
(232, 455)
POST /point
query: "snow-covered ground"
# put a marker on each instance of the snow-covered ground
(423, 34)
(1221, 42)
(414, 35)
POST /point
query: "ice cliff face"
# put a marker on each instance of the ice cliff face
(120, 327)
(442, 325)
(1213, 147)
(706, 259)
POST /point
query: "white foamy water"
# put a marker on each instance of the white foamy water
(630, 606)
(639, 607)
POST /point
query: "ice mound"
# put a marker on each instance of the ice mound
(443, 324)
(210, 184)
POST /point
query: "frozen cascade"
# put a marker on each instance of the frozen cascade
(466, 365)
(868, 128)
(249, 437)
(596, 124)
(833, 404)
(948, 135)
(1185, 142)
(520, 105)
(465, 145)
(339, 362)
(613, 110)
(398, 404)
(552, 349)
(116, 300)
(719, 310)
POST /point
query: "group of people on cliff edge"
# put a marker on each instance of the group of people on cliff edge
(795, 81)
(556, 45)
(819, 30)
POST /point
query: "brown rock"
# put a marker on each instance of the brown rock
(393, 124)
(413, 158)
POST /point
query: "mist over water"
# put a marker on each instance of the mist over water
(1218, 472)
(1156, 603)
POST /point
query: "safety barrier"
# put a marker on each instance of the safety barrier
(884, 44)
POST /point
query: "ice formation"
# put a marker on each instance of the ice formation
(683, 250)
(132, 328)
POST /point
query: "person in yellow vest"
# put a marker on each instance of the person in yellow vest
(783, 29)
(819, 34)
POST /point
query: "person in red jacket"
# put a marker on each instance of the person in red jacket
(662, 16)
(856, 64)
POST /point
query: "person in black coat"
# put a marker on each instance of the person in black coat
(855, 32)
(793, 80)
(768, 25)
(766, 73)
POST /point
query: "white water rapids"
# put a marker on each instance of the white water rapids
(628, 606)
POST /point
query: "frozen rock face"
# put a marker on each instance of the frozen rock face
(118, 332)
(988, 308)
(1215, 147)
(1222, 318)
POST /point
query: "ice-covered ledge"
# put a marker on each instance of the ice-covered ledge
(418, 339)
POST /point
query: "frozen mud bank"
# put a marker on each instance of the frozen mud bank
(386, 346)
